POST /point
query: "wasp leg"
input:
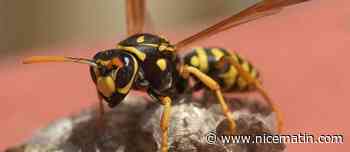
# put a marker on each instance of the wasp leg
(215, 87)
(101, 112)
(252, 81)
(164, 122)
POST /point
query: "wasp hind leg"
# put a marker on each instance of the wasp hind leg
(254, 82)
(214, 87)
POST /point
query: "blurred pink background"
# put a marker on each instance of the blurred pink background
(302, 52)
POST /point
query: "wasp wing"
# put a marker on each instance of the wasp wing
(135, 16)
(256, 11)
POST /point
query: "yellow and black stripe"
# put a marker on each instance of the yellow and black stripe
(208, 60)
(143, 45)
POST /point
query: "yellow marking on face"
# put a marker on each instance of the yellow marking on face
(126, 89)
(161, 64)
(194, 61)
(203, 59)
(230, 76)
(140, 39)
(105, 63)
(106, 85)
(151, 45)
(217, 53)
(137, 52)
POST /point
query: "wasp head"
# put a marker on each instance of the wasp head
(113, 74)
(112, 71)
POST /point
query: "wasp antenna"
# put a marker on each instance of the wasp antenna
(44, 59)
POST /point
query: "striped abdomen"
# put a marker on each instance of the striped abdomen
(207, 59)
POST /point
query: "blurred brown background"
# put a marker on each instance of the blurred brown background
(42, 23)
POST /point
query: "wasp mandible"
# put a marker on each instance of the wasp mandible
(151, 63)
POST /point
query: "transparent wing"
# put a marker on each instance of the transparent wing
(258, 10)
(135, 16)
(149, 22)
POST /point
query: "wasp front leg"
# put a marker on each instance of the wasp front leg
(164, 122)
(254, 82)
(213, 86)
(100, 114)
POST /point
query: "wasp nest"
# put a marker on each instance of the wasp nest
(133, 126)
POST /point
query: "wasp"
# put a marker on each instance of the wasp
(152, 64)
